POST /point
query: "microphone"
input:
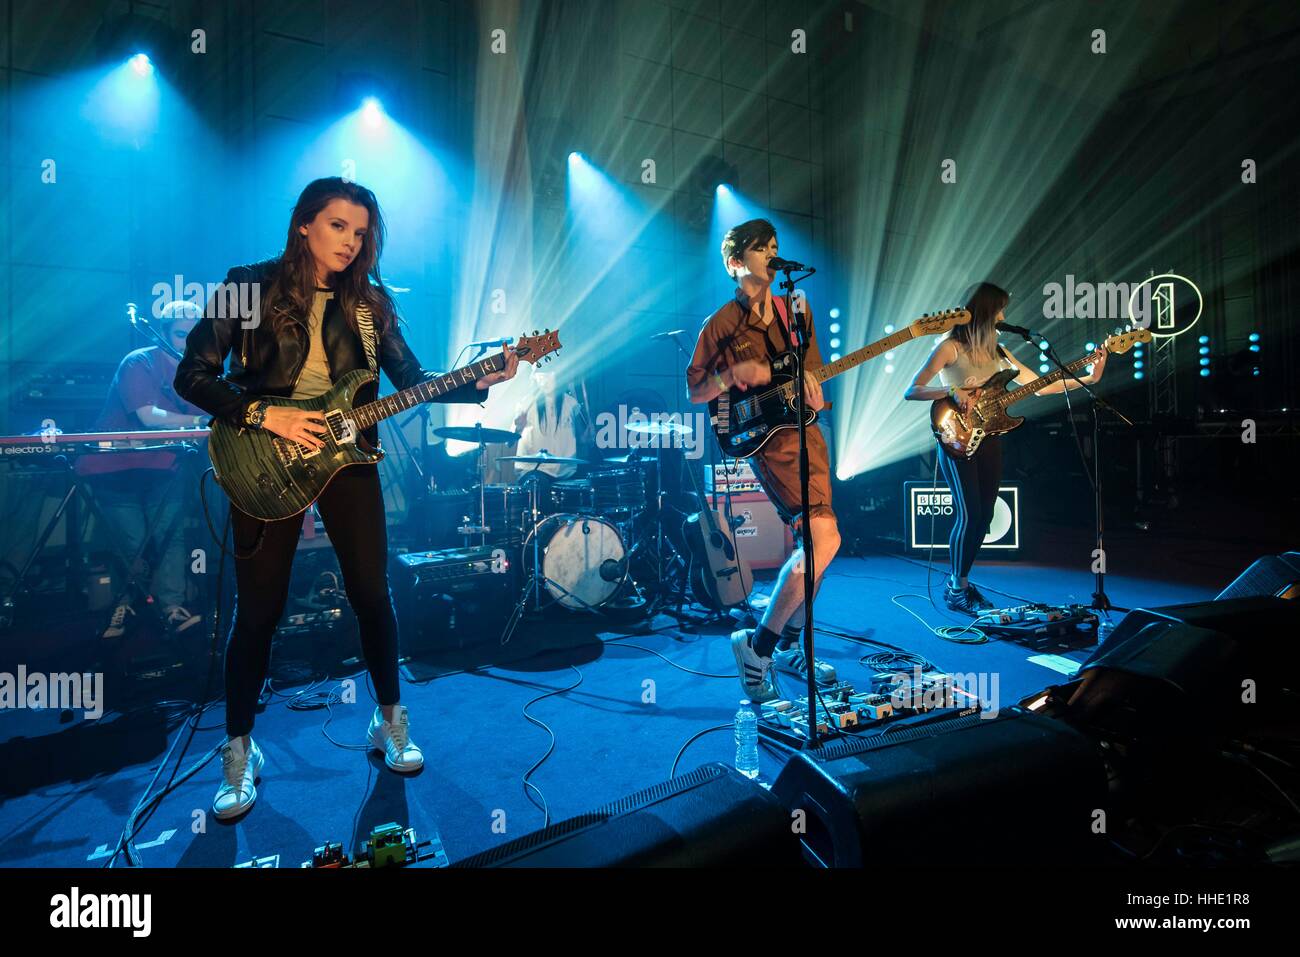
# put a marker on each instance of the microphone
(787, 265)
(612, 571)
(667, 335)
(1018, 330)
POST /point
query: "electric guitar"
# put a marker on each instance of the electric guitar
(720, 577)
(745, 421)
(270, 477)
(960, 433)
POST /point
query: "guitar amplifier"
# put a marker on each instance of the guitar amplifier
(452, 597)
(735, 474)
(762, 539)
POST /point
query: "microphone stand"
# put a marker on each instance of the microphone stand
(797, 324)
(1100, 601)
(144, 326)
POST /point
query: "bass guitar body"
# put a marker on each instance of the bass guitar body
(960, 433)
(269, 477)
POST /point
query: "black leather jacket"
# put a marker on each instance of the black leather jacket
(263, 365)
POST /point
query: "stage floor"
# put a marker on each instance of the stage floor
(69, 787)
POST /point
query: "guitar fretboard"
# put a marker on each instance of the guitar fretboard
(1015, 395)
(372, 412)
(845, 363)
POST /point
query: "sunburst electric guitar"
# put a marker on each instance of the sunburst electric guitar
(960, 433)
(745, 421)
(270, 477)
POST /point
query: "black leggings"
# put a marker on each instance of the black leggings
(974, 483)
(352, 508)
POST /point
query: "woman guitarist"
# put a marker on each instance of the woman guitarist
(963, 361)
(305, 336)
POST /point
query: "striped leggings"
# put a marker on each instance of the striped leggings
(974, 484)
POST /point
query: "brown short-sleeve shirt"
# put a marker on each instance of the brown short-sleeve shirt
(736, 333)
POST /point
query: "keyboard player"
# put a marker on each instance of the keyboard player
(129, 485)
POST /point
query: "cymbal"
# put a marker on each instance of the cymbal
(660, 428)
(542, 458)
(470, 433)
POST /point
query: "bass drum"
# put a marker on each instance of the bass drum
(583, 558)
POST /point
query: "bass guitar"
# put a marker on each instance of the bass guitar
(270, 477)
(745, 421)
(960, 433)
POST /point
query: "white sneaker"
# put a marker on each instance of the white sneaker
(755, 673)
(117, 624)
(177, 619)
(394, 739)
(239, 770)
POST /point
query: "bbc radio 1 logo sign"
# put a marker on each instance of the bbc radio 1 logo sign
(931, 507)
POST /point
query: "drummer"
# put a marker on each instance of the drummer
(554, 423)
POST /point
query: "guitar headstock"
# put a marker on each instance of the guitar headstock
(932, 325)
(538, 346)
(1122, 342)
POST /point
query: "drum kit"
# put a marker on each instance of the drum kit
(600, 542)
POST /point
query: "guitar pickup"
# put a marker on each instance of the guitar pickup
(342, 428)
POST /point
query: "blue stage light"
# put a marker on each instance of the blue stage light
(1205, 373)
(1205, 350)
(834, 313)
(1137, 364)
(1137, 375)
(1254, 337)
(1204, 361)
(1254, 348)
(141, 64)
(1203, 340)
(372, 111)
(835, 343)
(1089, 346)
(835, 326)
(1044, 367)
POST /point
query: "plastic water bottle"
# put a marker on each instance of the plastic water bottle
(747, 741)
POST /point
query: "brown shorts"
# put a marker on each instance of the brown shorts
(777, 468)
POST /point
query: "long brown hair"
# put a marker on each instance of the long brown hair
(294, 285)
(980, 336)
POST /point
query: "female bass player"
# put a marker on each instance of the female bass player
(307, 335)
(964, 360)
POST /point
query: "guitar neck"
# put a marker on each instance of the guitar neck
(1015, 395)
(372, 412)
(881, 346)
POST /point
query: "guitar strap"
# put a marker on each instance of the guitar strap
(779, 305)
(366, 326)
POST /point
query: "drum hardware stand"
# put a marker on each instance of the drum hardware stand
(537, 577)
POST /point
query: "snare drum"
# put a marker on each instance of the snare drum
(583, 559)
(619, 492)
